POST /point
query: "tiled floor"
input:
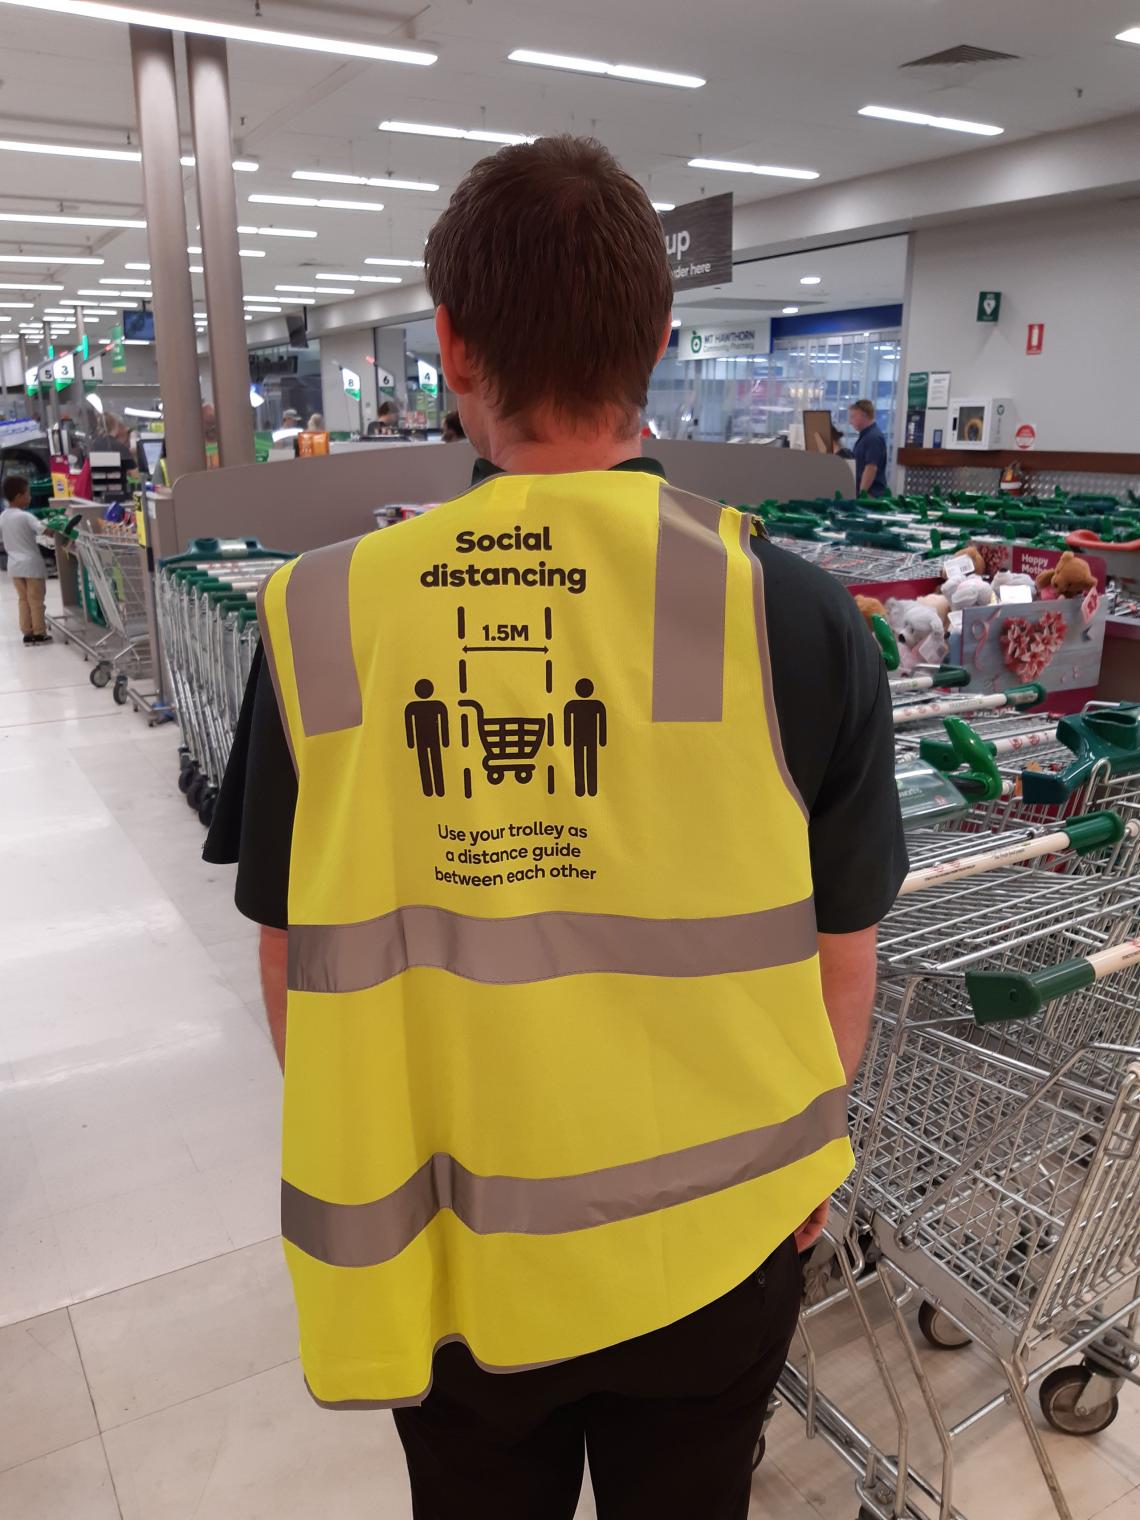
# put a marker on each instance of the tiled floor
(147, 1339)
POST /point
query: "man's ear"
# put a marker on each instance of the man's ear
(664, 344)
(452, 354)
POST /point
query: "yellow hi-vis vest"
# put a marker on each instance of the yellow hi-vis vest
(559, 1068)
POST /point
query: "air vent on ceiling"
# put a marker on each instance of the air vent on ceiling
(965, 52)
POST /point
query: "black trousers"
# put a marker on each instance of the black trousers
(669, 1420)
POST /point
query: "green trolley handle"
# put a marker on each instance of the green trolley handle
(999, 996)
(885, 638)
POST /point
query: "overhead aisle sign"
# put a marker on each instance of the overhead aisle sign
(698, 240)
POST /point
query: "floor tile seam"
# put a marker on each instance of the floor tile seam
(192, 1398)
(94, 1411)
(94, 1298)
(35, 691)
(774, 1463)
(47, 722)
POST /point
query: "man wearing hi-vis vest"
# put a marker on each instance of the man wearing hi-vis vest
(583, 795)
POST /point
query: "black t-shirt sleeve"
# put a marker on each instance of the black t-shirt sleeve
(833, 707)
(253, 815)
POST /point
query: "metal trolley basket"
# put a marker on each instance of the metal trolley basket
(115, 567)
(208, 616)
(996, 1122)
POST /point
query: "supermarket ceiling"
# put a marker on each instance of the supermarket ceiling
(784, 89)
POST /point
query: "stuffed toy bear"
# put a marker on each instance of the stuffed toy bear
(1012, 578)
(941, 605)
(870, 607)
(974, 555)
(969, 591)
(1070, 576)
(918, 629)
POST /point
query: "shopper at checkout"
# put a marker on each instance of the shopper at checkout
(19, 533)
(870, 450)
(568, 999)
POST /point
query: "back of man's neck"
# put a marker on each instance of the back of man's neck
(563, 456)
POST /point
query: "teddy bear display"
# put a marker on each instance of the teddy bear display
(941, 605)
(1012, 578)
(1069, 577)
(969, 591)
(919, 631)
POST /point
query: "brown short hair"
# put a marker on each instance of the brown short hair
(864, 406)
(551, 262)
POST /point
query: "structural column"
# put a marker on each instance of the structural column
(156, 102)
(217, 211)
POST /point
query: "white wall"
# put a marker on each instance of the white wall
(1077, 270)
(353, 350)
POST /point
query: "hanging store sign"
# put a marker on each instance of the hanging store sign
(728, 340)
(32, 381)
(93, 369)
(989, 305)
(63, 371)
(386, 381)
(429, 377)
(698, 240)
(118, 350)
(351, 381)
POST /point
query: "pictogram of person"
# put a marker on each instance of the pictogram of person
(426, 724)
(584, 723)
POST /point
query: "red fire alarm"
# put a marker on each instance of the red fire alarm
(1035, 338)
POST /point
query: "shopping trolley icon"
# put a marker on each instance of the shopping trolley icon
(509, 744)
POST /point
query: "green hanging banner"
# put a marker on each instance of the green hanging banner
(118, 351)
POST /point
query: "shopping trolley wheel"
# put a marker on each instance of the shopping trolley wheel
(186, 776)
(185, 763)
(119, 691)
(101, 674)
(206, 806)
(1061, 1392)
(195, 792)
(939, 1329)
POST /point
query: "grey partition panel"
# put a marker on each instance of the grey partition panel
(303, 503)
(747, 473)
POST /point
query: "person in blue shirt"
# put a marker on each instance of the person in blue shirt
(870, 450)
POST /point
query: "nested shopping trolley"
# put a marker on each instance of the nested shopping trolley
(208, 616)
(115, 570)
(996, 1121)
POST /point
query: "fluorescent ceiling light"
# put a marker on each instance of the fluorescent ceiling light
(264, 311)
(128, 411)
(65, 221)
(125, 279)
(18, 305)
(398, 263)
(197, 269)
(474, 134)
(789, 311)
(56, 311)
(308, 200)
(193, 249)
(676, 321)
(319, 290)
(629, 71)
(375, 181)
(664, 206)
(811, 279)
(251, 253)
(240, 165)
(20, 285)
(268, 231)
(731, 166)
(136, 342)
(94, 10)
(365, 279)
(922, 119)
(1132, 34)
(71, 150)
(298, 300)
(43, 258)
(131, 266)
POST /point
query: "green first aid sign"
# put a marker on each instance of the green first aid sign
(989, 305)
(917, 388)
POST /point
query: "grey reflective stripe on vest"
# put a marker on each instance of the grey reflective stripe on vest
(761, 618)
(688, 611)
(534, 947)
(367, 1234)
(271, 665)
(320, 631)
